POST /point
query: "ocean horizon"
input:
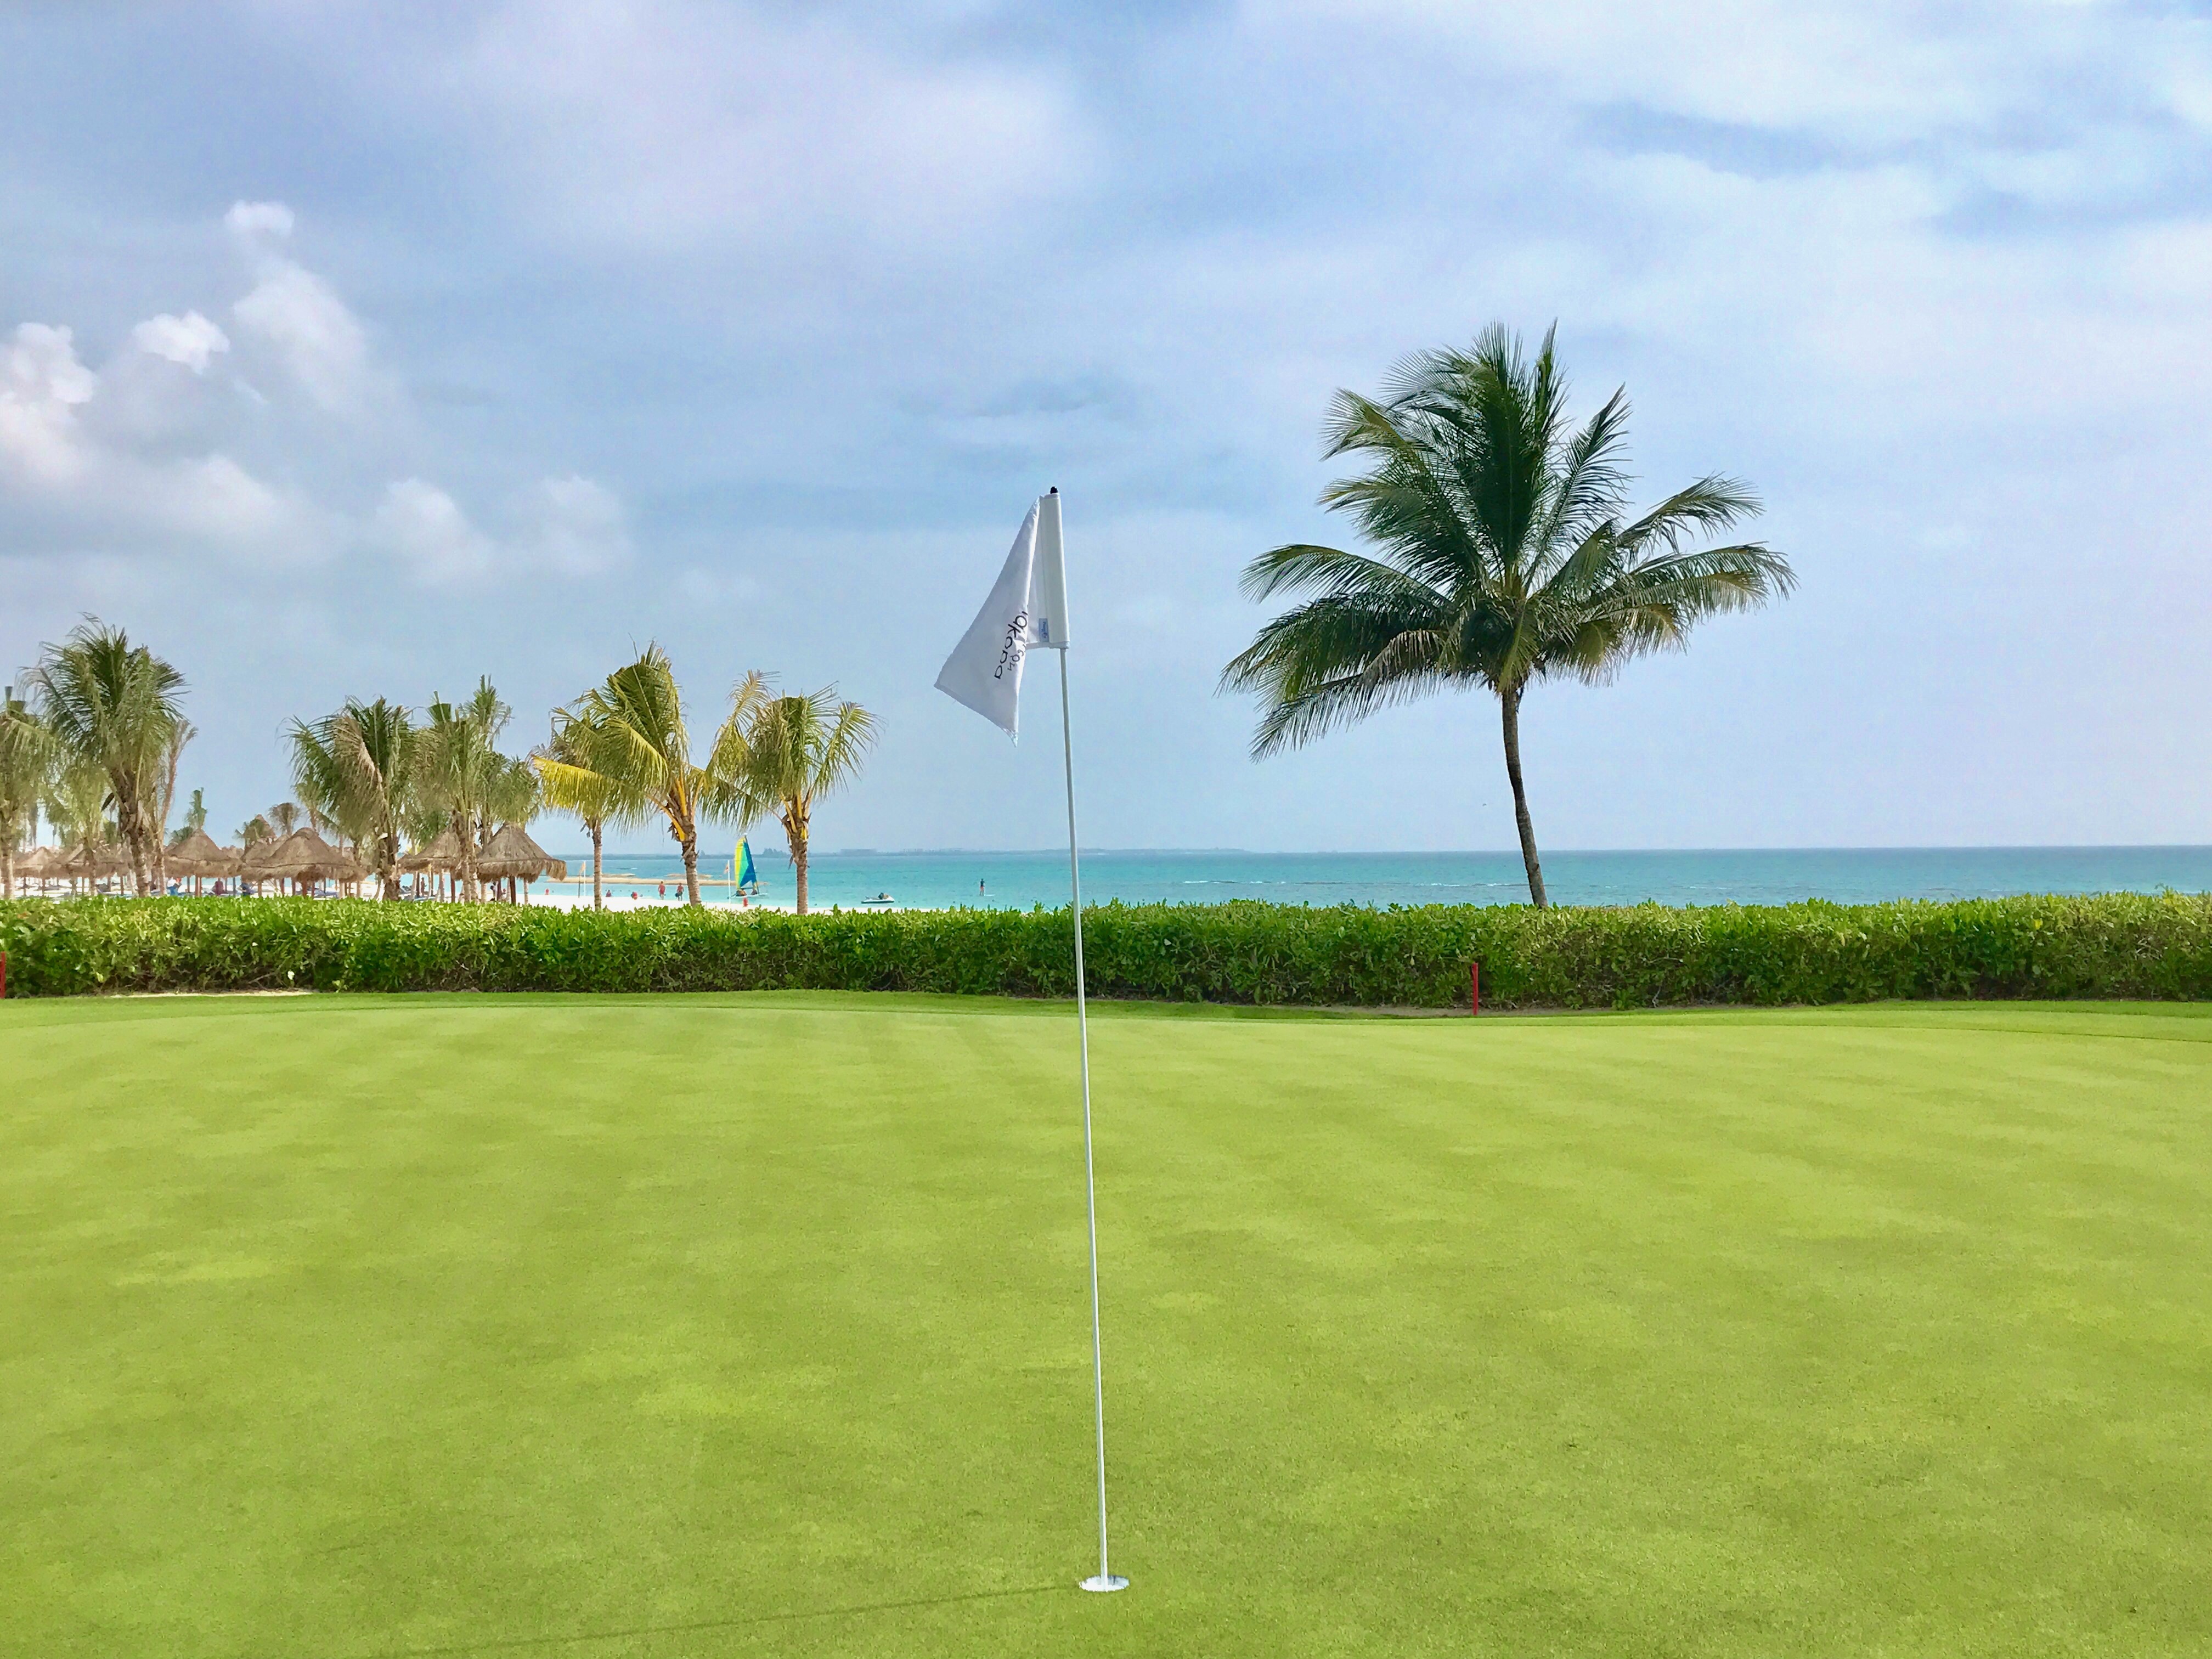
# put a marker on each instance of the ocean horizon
(1018, 879)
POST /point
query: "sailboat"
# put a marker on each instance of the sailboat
(747, 878)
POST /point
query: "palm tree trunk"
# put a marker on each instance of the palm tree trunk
(7, 870)
(1510, 702)
(129, 823)
(599, 899)
(691, 864)
(798, 862)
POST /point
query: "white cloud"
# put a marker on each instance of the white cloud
(190, 340)
(164, 449)
(425, 530)
(580, 529)
(673, 122)
(319, 340)
(567, 527)
(72, 464)
(42, 388)
(253, 220)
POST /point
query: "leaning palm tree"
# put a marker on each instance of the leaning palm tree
(360, 764)
(570, 786)
(463, 770)
(115, 707)
(631, 741)
(26, 771)
(1505, 553)
(783, 754)
(165, 795)
(76, 802)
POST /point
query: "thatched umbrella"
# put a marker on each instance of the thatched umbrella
(444, 852)
(94, 862)
(442, 856)
(257, 864)
(198, 856)
(303, 855)
(512, 855)
(42, 863)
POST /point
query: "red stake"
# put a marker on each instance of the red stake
(1475, 988)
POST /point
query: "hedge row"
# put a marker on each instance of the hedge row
(2110, 945)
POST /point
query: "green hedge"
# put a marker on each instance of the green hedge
(2111, 945)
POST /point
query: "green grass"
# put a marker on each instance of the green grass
(756, 1325)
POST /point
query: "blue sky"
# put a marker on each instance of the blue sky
(361, 350)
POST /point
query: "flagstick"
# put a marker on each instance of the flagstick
(1105, 1580)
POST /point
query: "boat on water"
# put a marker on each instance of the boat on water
(879, 899)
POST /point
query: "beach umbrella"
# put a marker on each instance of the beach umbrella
(513, 853)
(441, 857)
(99, 860)
(443, 853)
(198, 854)
(303, 855)
(40, 864)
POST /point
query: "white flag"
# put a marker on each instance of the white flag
(1049, 579)
(984, 672)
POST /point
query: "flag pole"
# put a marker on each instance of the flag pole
(1105, 1579)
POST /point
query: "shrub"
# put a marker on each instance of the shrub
(2110, 945)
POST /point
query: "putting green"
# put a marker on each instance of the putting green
(352, 1326)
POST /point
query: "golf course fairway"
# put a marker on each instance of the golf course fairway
(344, 1326)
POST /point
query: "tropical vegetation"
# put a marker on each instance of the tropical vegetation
(2114, 944)
(27, 768)
(114, 708)
(398, 792)
(783, 754)
(626, 746)
(1505, 553)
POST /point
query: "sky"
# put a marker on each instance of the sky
(360, 350)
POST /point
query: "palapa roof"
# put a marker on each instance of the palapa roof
(302, 855)
(196, 854)
(444, 852)
(105, 859)
(512, 852)
(40, 861)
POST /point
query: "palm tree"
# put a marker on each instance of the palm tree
(463, 770)
(27, 768)
(196, 816)
(629, 734)
(1504, 555)
(570, 786)
(114, 706)
(77, 802)
(360, 765)
(783, 754)
(165, 795)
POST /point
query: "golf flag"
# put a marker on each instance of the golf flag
(1028, 607)
(748, 878)
(1049, 579)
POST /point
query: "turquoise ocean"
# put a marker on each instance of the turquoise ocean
(1849, 875)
